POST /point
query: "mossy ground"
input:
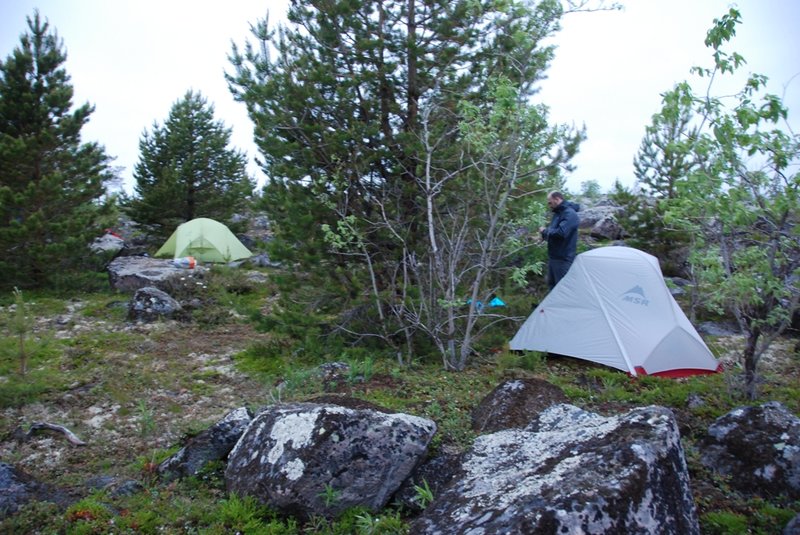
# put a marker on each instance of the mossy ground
(134, 392)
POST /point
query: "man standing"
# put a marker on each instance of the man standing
(561, 236)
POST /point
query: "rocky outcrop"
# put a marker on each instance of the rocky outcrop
(589, 217)
(571, 471)
(213, 444)
(311, 459)
(514, 404)
(129, 273)
(607, 228)
(758, 447)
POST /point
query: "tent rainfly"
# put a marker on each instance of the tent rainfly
(206, 240)
(613, 307)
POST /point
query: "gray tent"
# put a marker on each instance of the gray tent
(614, 308)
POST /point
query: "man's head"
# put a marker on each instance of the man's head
(554, 199)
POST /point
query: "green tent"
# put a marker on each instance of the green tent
(206, 240)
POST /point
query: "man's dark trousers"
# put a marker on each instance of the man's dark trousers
(556, 269)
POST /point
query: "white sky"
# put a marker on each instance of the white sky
(134, 59)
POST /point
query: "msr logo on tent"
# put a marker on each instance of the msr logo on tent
(636, 296)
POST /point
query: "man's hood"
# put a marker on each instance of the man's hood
(575, 206)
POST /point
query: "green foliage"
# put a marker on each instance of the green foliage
(52, 185)
(146, 423)
(725, 523)
(330, 496)
(591, 189)
(24, 355)
(245, 515)
(361, 370)
(388, 524)
(20, 326)
(186, 170)
(735, 193)
(377, 145)
(531, 361)
(424, 494)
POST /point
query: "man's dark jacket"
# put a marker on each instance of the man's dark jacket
(562, 234)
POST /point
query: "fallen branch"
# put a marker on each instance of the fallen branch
(40, 426)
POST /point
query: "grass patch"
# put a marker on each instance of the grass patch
(154, 380)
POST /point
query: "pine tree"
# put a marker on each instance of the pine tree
(50, 182)
(360, 109)
(186, 170)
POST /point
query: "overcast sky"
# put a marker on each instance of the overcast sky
(134, 59)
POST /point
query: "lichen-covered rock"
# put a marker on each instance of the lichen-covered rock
(213, 444)
(759, 447)
(311, 459)
(571, 471)
(150, 303)
(514, 404)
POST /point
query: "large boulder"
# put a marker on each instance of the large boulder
(129, 273)
(312, 459)
(213, 444)
(150, 304)
(571, 471)
(515, 403)
(758, 447)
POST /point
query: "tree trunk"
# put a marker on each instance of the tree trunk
(750, 361)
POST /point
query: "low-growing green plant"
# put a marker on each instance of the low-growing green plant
(361, 370)
(423, 494)
(368, 524)
(146, 421)
(724, 523)
(89, 515)
(330, 495)
(21, 324)
(246, 515)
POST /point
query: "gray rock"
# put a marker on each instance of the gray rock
(150, 303)
(514, 404)
(607, 229)
(717, 329)
(18, 488)
(310, 459)
(213, 444)
(589, 217)
(129, 273)
(793, 527)
(435, 473)
(759, 447)
(107, 243)
(263, 260)
(571, 471)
